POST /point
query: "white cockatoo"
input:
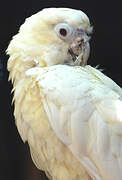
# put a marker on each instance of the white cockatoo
(70, 115)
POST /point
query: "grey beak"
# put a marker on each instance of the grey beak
(79, 47)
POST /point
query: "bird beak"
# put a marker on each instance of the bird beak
(79, 48)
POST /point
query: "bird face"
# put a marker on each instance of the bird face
(52, 36)
(78, 42)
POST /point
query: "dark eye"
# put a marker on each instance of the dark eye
(64, 31)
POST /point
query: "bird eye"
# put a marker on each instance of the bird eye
(63, 30)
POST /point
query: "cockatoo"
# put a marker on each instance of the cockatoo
(69, 113)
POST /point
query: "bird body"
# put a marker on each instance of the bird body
(59, 109)
(70, 115)
(48, 152)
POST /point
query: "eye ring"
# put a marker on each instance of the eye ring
(64, 31)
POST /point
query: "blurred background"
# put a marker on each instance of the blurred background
(106, 50)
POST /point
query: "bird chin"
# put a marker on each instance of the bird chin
(79, 61)
(80, 57)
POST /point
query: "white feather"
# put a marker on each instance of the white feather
(83, 112)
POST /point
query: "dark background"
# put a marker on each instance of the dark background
(106, 50)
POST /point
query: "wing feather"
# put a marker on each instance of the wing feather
(85, 113)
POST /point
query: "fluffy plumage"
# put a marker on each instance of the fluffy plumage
(69, 115)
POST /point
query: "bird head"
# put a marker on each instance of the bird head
(52, 36)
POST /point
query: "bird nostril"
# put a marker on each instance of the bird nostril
(80, 42)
